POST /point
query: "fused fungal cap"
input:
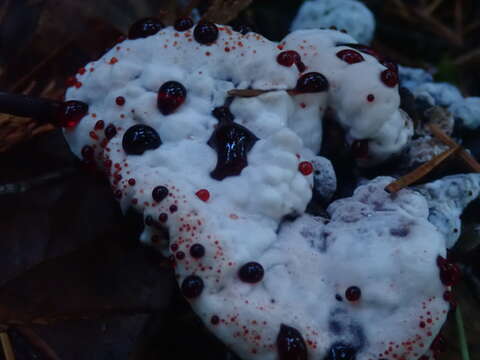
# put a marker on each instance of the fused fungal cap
(222, 175)
(350, 15)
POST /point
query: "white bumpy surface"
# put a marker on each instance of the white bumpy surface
(350, 15)
(383, 244)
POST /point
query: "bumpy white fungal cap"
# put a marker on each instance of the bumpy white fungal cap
(447, 198)
(234, 212)
(442, 94)
(411, 78)
(350, 15)
(467, 109)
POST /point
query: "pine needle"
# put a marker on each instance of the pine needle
(6, 346)
(462, 339)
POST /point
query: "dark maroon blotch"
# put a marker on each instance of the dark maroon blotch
(389, 78)
(251, 272)
(159, 193)
(197, 251)
(183, 23)
(110, 131)
(144, 28)
(353, 293)
(192, 286)
(312, 82)
(449, 272)
(290, 344)
(232, 142)
(140, 138)
(205, 33)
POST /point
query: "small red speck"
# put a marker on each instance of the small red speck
(214, 320)
(227, 49)
(92, 69)
(207, 53)
(113, 60)
(131, 182)
(422, 324)
(99, 125)
(280, 47)
(305, 167)
(303, 105)
(173, 208)
(94, 115)
(370, 98)
(81, 71)
(180, 255)
(118, 194)
(78, 84)
(203, 194)
(120, 101)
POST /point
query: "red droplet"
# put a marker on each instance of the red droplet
(180, 255)
(163, 217)
(71, 81)
(350, 56)
(389, 78)
(118, 194)
(81, 71)
(113, 60)
(132, 182)
(370, 97)
(70, 113)
(305, 167)
(422, 324)
(290, 57)
(120, 101)
(173, 208)
(203, 194)
(99, 125)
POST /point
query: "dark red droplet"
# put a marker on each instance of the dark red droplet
(203, 194)
(449, 272)
(173, 208)
(183, 23)
(290, 344)
(205, 33)
(120, 100)
(353, 293)
(243, 29)
(99, 125)
(70, 113)
(174, 247)
(163, 217)
(118, 194)
(87, 152)
(350, 56)
(422, 324)
(251, 272)
(214, 320)
(290, 57)
(363, 48)
(389, 78)
(180, 255)
(312, 82)
(232, 142)
(144, 28)
(171, 95)
(305, 167)
(132, 182)
(159, 193)
(140, 138)
(110, 131)
(192, 286)
(360, 149)
(197, 251)
(370, 97)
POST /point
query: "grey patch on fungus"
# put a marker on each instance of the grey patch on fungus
(447, 198)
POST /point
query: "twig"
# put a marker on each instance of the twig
(433, 6)
(447, 140)
(421, 171)
(462, 339)
(438, 28)
(7, 346)
(36, 341)
(468, 57)
(28, 106)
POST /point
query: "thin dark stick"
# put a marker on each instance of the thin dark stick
(28, 106)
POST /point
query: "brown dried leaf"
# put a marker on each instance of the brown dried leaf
(14, 130)
(224, 11)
